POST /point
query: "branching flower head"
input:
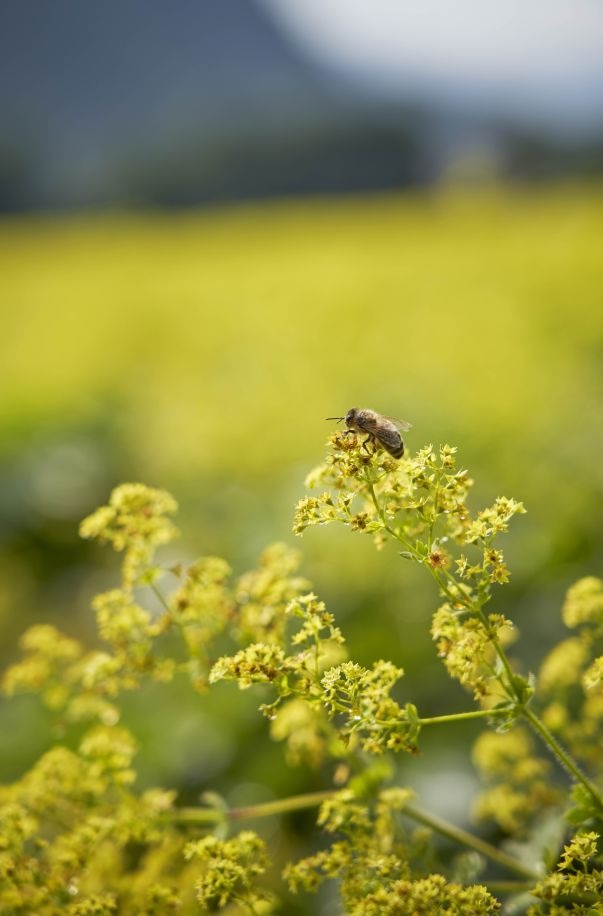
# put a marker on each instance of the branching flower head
(135, 522)
(519, 784)
(578, 878)
(263, 595)
(372, 863)
(230, 869)
(299, 725)
(361, 697)
(201, 608)
(420, 501)
(493, 520)
(467, 648)
(47, 654)
(259, 663)
(571, 675)
(584, 603)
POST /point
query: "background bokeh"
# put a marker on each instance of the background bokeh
(219, 228)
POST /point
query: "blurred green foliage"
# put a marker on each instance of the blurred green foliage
(201, 351)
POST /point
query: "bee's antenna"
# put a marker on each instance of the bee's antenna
(339, 419)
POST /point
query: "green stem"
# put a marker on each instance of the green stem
(202, 817)
(176, 619)
(459, 716)
(265, 809)
(159, 595)
(510, 686)
(438, 720)
(436, 491)
(500, 652)
(247, 904)
(564, 758)
(282, 805)
(510, 887)
(549, 739)
(381, 514)
(454, 599)
(458, 835)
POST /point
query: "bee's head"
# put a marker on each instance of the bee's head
(351, 416)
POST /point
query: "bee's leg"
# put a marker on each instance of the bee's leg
(369, 438)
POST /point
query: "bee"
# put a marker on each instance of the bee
(381, 431)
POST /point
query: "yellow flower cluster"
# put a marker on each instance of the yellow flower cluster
(371, 863)
(467, 648)
(229, 869)
(361, 697)
(571, 675)
(576, 880)
(263, 595)
(519, 787)
(135, 522)
(493, 520)
(584, 603)
(260, 663)
(66, 826)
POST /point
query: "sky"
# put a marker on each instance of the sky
(537, 57)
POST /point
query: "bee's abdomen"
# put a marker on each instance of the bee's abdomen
(390, 439)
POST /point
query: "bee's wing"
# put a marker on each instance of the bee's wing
(388, 437)
(402, 425)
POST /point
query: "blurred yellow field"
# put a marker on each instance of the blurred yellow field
(228, 336)
(213, 344)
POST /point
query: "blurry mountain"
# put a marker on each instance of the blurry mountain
(146, 102)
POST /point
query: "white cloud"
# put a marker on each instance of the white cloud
(513, 47)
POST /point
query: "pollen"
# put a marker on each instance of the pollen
(438, 559)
